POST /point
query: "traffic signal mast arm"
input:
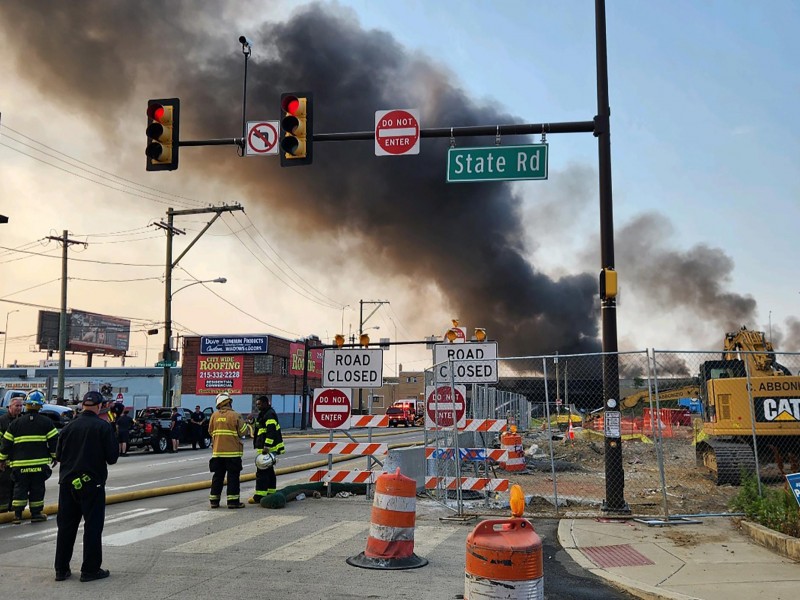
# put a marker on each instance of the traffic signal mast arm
(472, 131)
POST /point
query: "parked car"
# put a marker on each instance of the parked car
(400, 416)
(152, 429)
(60, 415)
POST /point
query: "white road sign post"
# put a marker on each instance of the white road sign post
(352, 367)
(396, 132)
(472, 362)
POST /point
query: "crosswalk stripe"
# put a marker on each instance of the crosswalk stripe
(147, 532)
(230, 537)
(309, 546)
(428, 537)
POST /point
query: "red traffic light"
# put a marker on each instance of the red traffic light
(290, 104)
(296, 134)
(156, 112)
(163, 141)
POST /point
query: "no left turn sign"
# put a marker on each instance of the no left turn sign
(262, 138)
(396, 132)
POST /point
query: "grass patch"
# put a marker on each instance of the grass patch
(776, 509)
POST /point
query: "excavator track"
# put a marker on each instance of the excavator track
(727, 461)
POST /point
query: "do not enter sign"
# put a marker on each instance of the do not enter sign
(331, 408)
(439, 406)
(396, 132)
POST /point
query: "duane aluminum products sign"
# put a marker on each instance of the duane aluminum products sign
(352, 368)
(472, 362)
(233, 344)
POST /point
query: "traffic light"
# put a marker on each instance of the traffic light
(297, 114)
(163, 119)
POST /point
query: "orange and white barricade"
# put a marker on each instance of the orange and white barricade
(390, 544)
(512, 443)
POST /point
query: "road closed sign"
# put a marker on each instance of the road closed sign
(396, 132)
(472, 362)
(331, 408)
(441, 406)
(352, 367)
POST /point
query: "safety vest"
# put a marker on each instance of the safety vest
(226, 428)
(29, 441)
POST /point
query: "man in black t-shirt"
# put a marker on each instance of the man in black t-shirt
(124, 424)
(176, 427)
(196, 424)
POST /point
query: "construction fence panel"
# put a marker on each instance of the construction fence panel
(719, 420)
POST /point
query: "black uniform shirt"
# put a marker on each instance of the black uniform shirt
(86, 445)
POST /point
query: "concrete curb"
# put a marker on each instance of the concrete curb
(636, 588)
(52, 509)
(785, 545)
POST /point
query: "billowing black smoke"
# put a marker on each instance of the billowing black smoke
(467, 239)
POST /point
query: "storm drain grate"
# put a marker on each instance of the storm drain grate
(616, 556)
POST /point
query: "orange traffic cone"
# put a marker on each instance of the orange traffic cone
(390, 544)
(571, 431)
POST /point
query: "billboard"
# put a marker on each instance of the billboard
(296, 361)
(86, 332)
(217, 374)
(91, 332)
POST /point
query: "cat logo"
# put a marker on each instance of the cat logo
(782, 409)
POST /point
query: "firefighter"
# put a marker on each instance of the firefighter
(28, 447)
(267, 438)
(226, 428)
(6, 484)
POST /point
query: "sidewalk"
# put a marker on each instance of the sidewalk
(712, 560)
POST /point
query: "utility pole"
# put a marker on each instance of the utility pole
(62, 322)
(361, 322)
(167, 356)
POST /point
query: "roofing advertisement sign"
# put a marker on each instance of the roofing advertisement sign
(217, 374)
(233, 344)
(296, 361)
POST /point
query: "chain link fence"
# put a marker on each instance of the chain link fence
(692, 426)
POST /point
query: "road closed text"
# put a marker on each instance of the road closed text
(471, 362)
(361, 368)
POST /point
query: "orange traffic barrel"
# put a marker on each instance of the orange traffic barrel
(390, 544)
(512, 444)
(504, 560)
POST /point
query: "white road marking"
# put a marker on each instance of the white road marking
(124, 538)
(123, 516)
(428, 537)
(223, 539)
(309, 546)
(157, 481)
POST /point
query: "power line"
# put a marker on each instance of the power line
(86, 260)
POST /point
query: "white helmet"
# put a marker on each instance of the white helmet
(265, 461)
(222, 398)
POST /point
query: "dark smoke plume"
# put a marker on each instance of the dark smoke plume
(466, 238)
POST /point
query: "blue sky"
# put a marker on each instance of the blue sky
(705, 136)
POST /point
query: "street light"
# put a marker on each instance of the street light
(166, 357)
(217, 280)
(148, 333)
(5, 336)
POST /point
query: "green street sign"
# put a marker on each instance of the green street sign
(497, 163)
(167, 363)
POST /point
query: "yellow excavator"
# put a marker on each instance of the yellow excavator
(746, 386)
(751, 406)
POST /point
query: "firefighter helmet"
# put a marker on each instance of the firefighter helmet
(265, 461)
(35, 398)
(223, 398)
